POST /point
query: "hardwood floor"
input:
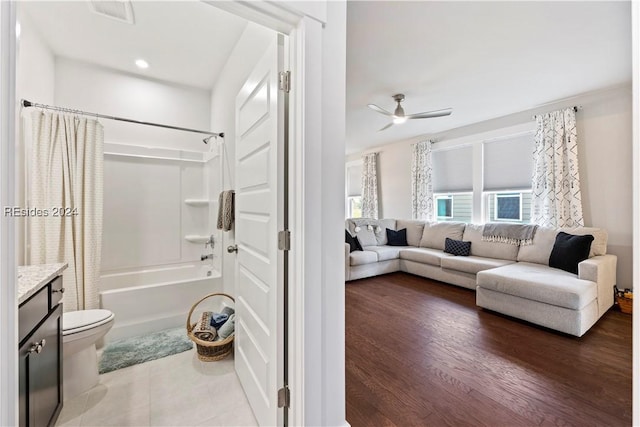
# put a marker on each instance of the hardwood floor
(421, 353)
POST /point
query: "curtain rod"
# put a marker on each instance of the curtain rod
(26, 104)
(575, 110)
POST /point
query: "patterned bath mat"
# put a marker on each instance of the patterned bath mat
(131, 351)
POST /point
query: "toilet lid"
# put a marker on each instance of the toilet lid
(75, 321)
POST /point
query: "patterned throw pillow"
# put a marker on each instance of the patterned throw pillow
(457, 247)
(397, 238)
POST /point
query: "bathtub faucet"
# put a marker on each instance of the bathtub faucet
(204, 257)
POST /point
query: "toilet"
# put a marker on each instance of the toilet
(80, 332)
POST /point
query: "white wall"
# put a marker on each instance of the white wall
(145, 220)
(35, 74)
(36, 64)
(604, 135)
(250, 47)
(97, 89)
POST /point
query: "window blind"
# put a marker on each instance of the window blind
(452, 170)
(508, 163)
(354, 178)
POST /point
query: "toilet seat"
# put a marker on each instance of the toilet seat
(81, 320)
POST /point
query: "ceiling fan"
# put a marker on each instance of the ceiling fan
(400, 117)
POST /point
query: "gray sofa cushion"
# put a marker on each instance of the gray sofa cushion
(599, 244)
(376, 236)
(539, 283)
(381, 236)
(386, 252)
(473, 234)
(362, 257)
(472, 264)
(540, 250)
(435, 233)
(414, 230)
(545, 238)
(423, 255)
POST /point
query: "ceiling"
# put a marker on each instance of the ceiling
(185, 42)
(483, 59)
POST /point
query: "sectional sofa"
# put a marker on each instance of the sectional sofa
(508, 278)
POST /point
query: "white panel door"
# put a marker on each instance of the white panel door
(259, 266)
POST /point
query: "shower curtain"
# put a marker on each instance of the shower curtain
(66, 188)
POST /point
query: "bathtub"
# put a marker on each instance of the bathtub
(154, 299)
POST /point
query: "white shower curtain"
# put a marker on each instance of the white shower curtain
(555, 199)
(66, 185)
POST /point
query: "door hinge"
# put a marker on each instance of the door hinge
(284, 397)
(284, 240)
(284, 80)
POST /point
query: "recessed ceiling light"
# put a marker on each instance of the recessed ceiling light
(141, 63)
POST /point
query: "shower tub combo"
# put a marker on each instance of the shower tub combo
(146, 301)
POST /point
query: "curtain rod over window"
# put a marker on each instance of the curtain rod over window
(575, 110)
(26, 104)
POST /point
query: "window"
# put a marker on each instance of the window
(353, 190)
(444, 206)
(354, 207)
(511, 206)
(453, 206)
(453, 184)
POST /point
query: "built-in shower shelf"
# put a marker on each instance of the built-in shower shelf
(196, 238)
(197, 202)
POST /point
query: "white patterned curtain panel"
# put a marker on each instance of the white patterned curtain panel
(555, 198)
(66, 178)
(370, 186)
(421, 187)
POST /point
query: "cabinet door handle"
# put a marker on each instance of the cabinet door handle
(61, 290)
(37, 347)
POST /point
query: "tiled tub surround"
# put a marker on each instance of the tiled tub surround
(33, 277)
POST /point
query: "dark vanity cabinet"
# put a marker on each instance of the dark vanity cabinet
(40, 356)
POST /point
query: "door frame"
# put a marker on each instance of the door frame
(317, 35)
(8, 275)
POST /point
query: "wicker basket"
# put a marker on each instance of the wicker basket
(210, 351)
(625, 304)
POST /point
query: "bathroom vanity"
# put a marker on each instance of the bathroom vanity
(40, 343)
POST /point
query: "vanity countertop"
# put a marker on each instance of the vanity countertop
(31, 278)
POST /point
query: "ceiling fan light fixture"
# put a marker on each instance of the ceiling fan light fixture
(399, 120)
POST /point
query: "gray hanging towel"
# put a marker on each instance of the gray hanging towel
(226, 210)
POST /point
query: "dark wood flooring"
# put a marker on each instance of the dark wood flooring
(421, 353)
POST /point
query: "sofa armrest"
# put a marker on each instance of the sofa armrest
(602, 270)
(347, 262)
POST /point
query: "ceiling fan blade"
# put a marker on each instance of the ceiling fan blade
(429, 114)
(374, 107)
(386, 127)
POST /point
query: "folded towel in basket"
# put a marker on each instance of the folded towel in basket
(228, 327)
(227, 310)
(217, 319)
(203, 329)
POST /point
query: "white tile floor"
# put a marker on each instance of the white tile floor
(178, 390)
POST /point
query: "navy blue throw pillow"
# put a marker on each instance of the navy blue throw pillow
(457, 247)
(354, 244)
(569, 250)
(397, 238)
